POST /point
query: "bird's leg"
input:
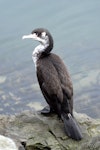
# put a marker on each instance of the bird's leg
(47, 110)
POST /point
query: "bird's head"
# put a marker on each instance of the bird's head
(43, 36)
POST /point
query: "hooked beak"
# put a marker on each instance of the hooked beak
(30, 36)
(34, 37)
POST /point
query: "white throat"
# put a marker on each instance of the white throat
(44, 43)
(37, 52)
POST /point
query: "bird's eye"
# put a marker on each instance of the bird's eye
(36, 33)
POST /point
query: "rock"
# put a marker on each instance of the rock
(33, 131)
(7, 143)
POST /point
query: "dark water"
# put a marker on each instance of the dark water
(75, 26)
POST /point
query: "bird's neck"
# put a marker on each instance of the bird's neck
(38, 51)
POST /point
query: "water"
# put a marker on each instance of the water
(75, 26)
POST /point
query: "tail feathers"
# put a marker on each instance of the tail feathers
(71, 127)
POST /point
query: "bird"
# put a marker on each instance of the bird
(54, 81)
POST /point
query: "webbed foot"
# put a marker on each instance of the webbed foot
(47, 110)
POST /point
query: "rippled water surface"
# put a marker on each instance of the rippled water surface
(75, 26)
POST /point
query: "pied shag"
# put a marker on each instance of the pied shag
(55, 82)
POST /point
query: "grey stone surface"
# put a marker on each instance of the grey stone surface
(33, 131)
